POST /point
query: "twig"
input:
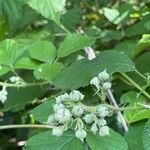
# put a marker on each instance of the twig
(112, 99)
(23, 84)
(136, 85)
(4, 127)
(91, 55)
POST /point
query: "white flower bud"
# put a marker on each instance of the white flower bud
(58, 107)
(95, 81)
(3, 95)
(89, 118)
(101, 123)
(104, 131)
(51, 120)
(102, 111)
(15, 79)
(61, 98)
(103, 76)
(81, 134)
(57, 131)
(62, 116)
(76, 96)
(106, 86)
(3, 98)
(77, 111)
(94, 128)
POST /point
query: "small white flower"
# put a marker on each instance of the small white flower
(102, 122)
(51, 120)
(76, 96)
(106, 86)
(3, 94)
(61, 98)
(3, 98)
(103, 76)
(104, 131)
(58, 107)
(81, 134)
(89, 118)
(102, 111)
(15, 79)
(63, 116)
(95, 81)
(57, 131)
(77, 111)
(94, 128)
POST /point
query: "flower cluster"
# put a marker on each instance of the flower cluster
(102, 81)
(3, 94)
(15, 80)
(69, 111)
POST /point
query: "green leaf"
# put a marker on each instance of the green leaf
(113, 142)
(42, 112)
(73, 43)
(26, 63)
(142, 113)
(18, 98)
(48, 71)
(48, 8)
(81, 72)
(127, 47)
(143, 44)
(118, 15)
(142, 62)
(142, 27)
(8, 52)
(46, 141)
(111, 14)
(18, 15)
(108, 35)
(72, 18)
(3, 70)
(132, 99)
(134, 136)
(146, 136)
(44, 51)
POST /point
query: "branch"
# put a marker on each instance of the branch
(4, 127)
(22, 84)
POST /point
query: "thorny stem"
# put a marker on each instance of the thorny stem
(23, 84)
(136, 85)
(112, 99)
(24, 126)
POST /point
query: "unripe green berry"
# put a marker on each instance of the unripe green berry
(81, 134)
(106, 86)
(104, 131)
(57, 131)
(77, 111)
(89, 118)
(103, 76)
